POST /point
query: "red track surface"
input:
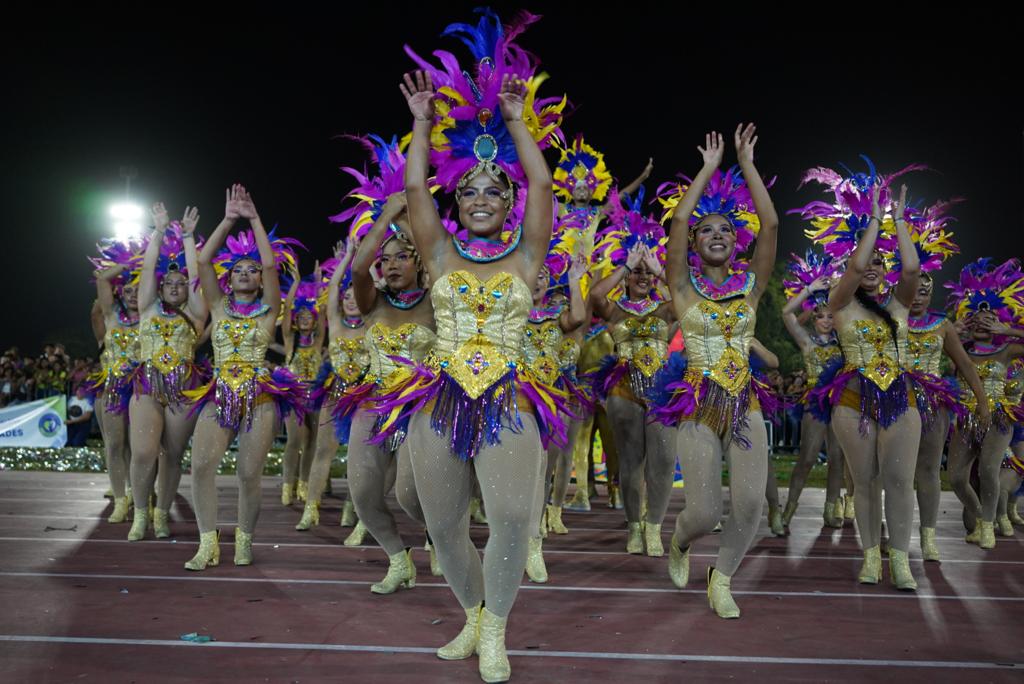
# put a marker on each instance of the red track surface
(85, 605)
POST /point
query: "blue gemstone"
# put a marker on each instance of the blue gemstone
(497, 294)
(511, 364)
(444, 364)
(707, 373)
(463, 289)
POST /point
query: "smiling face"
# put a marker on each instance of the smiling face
(348, 304)
(483, 206)
(874, 274)
(174, 288)
(714, 239)
(246, 277)
(823, 323)
(978, 325)
(305, 321)
(639, 282)
(398, 265)
(581, 192)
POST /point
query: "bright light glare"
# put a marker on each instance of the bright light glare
(126, 211)
(126, 230)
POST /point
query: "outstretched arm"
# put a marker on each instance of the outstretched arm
(763, 260)
(207, 275)
(843, 292)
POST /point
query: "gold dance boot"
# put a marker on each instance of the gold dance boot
(788, 512)
(1014, 514)
(579, 502)
(988, 535)
(464, 644)
(208, 555)
(161, 528)
(678, 564)
(310, 516)
(1005, 527)
(652, 540)
(975, 536)
(357, 536)
(635, 538)
(720, 595)
(536, 570)
(401, 574)
(615, 497)
(929, 549)
(899, 571)
(849, 510)
(121, 506)
(287, 494)
(494, 666)
(555, 523)
(139, 525)
(871, 570)
(775, 521)
(301, 490)
(348, 514)
(243, 547)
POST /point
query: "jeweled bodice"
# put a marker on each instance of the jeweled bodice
(817, 356)
(166, 342)
(868, 346)
(239, 350)
(541, 346)
(717, 335)
(409, 341)
(643, 341)
(349, 358)
(305, 362)
(121, 350)
(479, 327)
(924, 345)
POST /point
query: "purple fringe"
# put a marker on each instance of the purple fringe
(674, 399)
(883, 407)
(287, 391)
(934, 395)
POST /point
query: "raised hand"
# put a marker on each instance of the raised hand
(246, 207)
(713, 150)
(651, 261)
(634, 257)
(189, 220)
(648, 169)
(876, 211)
(578, 268)
(901, 204)
(233, 202)
(395, 204)
(745, 138)
(160, 218)
(512, 98)
(419, 94)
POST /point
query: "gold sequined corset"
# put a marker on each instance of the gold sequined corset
(479, 328)
(869, 348)
(643, 341)
(541, 346)
(717, 335)
(305, 363)
(239, 351)
(817, 357)
(349, 358)
(166, 342)
(122, 350)
(568, 354)
(993, 379)
(408, 341)
(925, 349)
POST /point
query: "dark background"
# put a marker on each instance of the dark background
(197, 107)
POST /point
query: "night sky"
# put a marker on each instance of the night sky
(263, 103)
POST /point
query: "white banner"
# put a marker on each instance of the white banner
(36, 424)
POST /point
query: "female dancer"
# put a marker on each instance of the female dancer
(989, 300)
(639, 315)
(244, 399)
(172, 313)
(809, 289)
(488, 412)
(714, 404)
(303, 332)
(346, 364)
(872, 394)
(545, 330)
(117, 293)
